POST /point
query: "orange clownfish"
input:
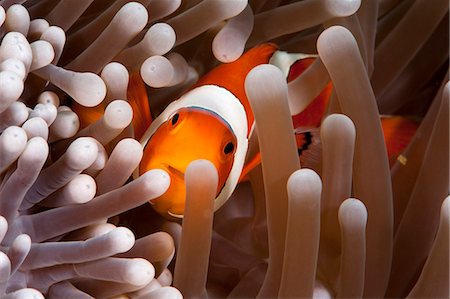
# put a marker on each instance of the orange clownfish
(212, 121)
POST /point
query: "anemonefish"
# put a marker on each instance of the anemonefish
(212, 121)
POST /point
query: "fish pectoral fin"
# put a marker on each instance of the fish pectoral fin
(251, 164)
(88, 115)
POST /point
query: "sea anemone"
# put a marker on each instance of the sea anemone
(75, 219)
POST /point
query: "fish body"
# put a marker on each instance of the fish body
(213, 120)
(219, 118)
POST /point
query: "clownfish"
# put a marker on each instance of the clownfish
(213, 120)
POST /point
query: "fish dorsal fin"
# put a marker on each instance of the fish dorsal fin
(285, 60)
(138, 99)
(315, 111)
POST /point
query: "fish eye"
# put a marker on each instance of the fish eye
(229, 147)
(175, 119)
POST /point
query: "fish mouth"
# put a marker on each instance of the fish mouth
(174, 171)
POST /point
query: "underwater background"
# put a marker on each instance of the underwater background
(347, 194)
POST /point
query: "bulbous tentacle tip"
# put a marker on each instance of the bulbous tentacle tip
(140, 272)
(353, 213)
(156, 182)
(305, 181)
(342, 8)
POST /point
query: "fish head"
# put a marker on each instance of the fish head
(207, 123)
(191, 133)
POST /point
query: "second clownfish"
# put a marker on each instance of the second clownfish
(212, 121)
